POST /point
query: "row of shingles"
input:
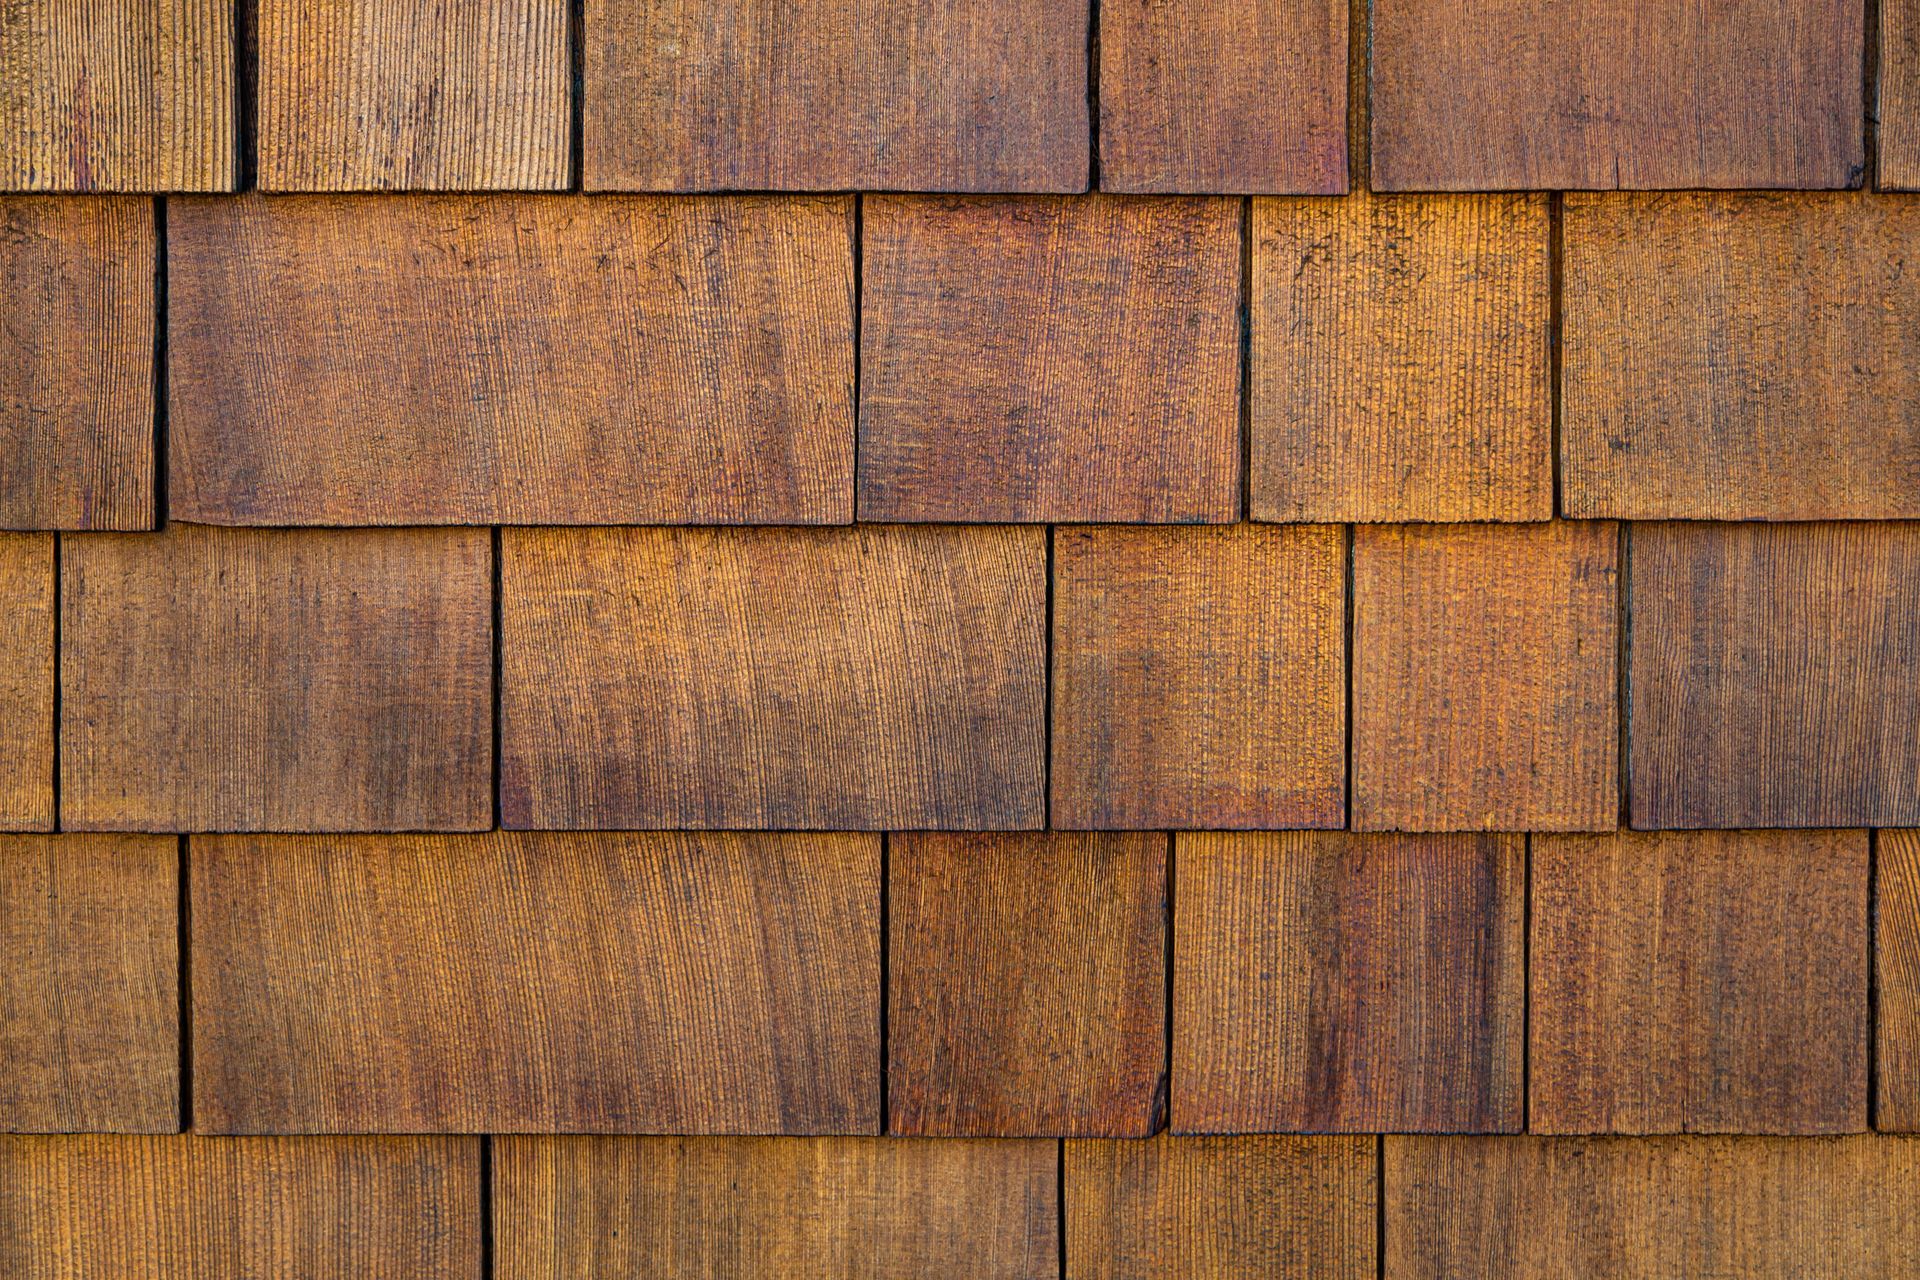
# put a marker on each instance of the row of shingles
(648, 360)
(981, 95)
(1710, 982)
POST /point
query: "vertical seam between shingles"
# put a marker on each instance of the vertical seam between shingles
(183, 933)
(1060, 1203)
(1046, 710)
(246, 88)
(859, 314)
(1870, 98)
(1623, 672)
(1380, 1206)
(1873, 980)
(1352, 672)
(1556, 341)
(1526, 983)
(499, 660)
(1164, 1121)
(1246, 360)
(886, 975)
(577, 96)
(486, 1206)
(160, 373)
(59, 607)
(1093, 95)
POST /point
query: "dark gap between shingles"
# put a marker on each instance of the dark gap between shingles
(1093, 95)
(246, 80)
(184, 935)
(1556, 338)
(886, 972)
(498, 673)
(160, 424)
(859, 311)
(577, 101)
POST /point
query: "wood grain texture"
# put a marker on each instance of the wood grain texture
(414, 95)
(1253, 1208)
(1484, 680)
(76, 388)
(549, 981)
(1199, 677)
(1400, 359)
(1652, 1208)
(889, 95)
(1737, 357)
(576, 1208)
(1224, 95)
(1511, 94)
(1896, 980)
(89, 1001)
(843, 679)
(522, 360)
(1699, 982)
(1050, 360)
(1772, 675)
(1899, 106)
(245, 680)
(1348, 983)
(26, 681)
(190, 1208)
(1027, 984)
(117, 95)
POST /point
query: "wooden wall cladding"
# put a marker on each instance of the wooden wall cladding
(413, 95)
(1468, 95)
(117, 96)
(1351, 983)
(1224, 96)
(558, 360)
(1484, 679)
(1896, 980)
(1699, 982)
(1773, 669)
(890, 95)
(1741, 356)
(1199, 677)
(578, 1208)
(89, 1003)
(1272, 1208)
(1899, 105)
(550, 981)
(865, 678)
(76, 387)
(247, 679)
(1050, 360)
(1541, 1208)
(1027, 984)
(184, 1208)
(1400, 359)
(26, 681)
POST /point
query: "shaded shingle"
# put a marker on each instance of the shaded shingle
(1896, 979)
(1899, 105)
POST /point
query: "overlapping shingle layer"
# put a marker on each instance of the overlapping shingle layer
(983, 638)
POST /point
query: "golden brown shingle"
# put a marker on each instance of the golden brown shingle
(27, 628)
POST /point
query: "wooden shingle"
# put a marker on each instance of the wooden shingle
(1050, 360)
(1899, 105)
(26, 681)
(128, 95)
(1027, 984)
(1244, 1208)
(1526, 1208)
(1199, 677)
(579, 1208)
(1484, 678)
(1896, 980)
(76, 386)
(891, 95)
(1772, 675)
(1699, 982)
(1351, 983)
(547, 981)
(89, 1006)
(413, 95)
(865, 678)
(250, 679)
(1472, 96)
(1400, 366)
(1741, 356)
(523, 360)
(189, 1208)
(1224, 96)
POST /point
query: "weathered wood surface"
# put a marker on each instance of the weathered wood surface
(89, 1001)
(1199, 677)
(520, 360)
(1773, 669)
(414, 95)
(580, 1208)
(1027, 979)
(537, 982)
(304, 680)
(76, 386)
(1050, 360)
(1899, 105)
(1512, 94)
(1352, 983)
(1400, 359)
(1484, 681)
(866, 678)
(1699, 982)
(1896, 951)
(1738, 357)
(887, 95)
(26, 681)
